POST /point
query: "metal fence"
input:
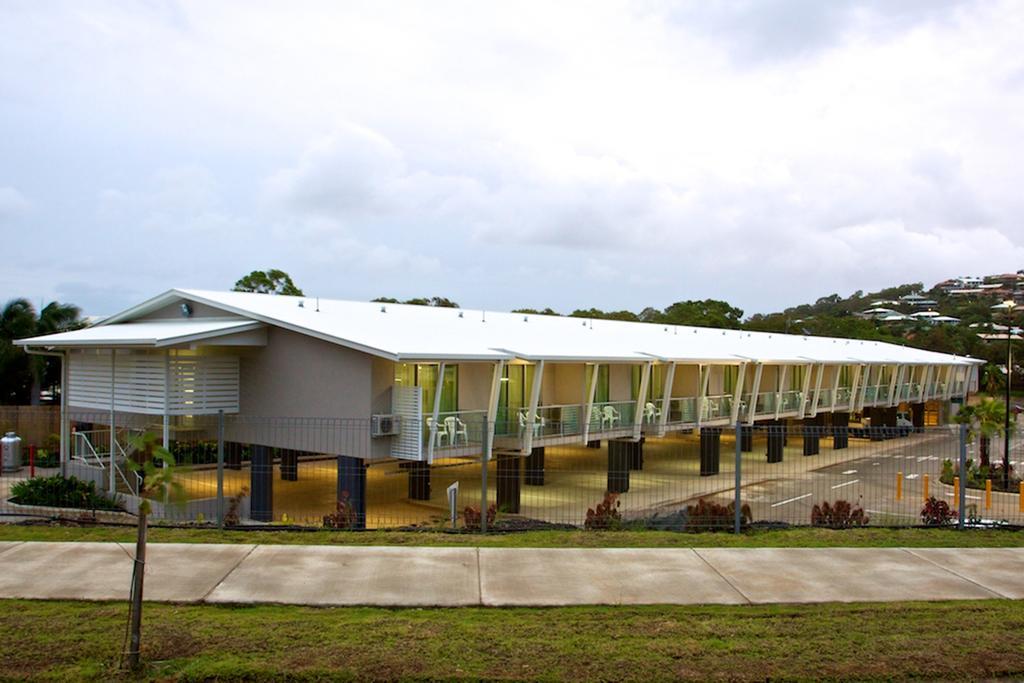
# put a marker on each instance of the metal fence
(331, 473)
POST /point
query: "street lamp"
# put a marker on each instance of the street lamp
(1009, 305)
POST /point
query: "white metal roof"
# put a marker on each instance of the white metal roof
(156, 333)
(403, 332)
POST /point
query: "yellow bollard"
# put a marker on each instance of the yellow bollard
(924, 479)
(899, 486)
(956, 490)
(988, 494)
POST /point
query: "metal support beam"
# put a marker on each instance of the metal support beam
(666, 400)
(865, 378)
(808, 369)
(922, 395)
(835, 389)
(737, 394)
(780, 383)
(588, 409)
(492, 415)
(438, 386)
(705, 378)
(753, 393)
(817, 389)
(112, 485)
(897, 370)
(531, 414)
(641, 399)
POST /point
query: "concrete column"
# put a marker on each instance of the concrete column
(840, 431)
(746, 438)
(891, 417)
(534, 475)
(261, 485)
(917, 416)
(508, 468)
(877, 416)
(776, 440)
(352, 484)
(710, 450)
(812, 435)
(289, 464)
(232, 455)
(419, 480)
(618, 466)
(636, 455)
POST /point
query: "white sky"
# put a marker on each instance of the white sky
(509, 154)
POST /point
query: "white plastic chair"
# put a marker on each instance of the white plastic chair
(609, 416)
(651, 412)
(454, 428)
(440, 431)
(538, 423)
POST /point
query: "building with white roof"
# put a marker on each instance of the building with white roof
(509, 383)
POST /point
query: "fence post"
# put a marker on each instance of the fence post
(484, 457)
(737, 514)
(220, 469)
(963, 476)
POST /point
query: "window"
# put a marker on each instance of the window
(424, 375)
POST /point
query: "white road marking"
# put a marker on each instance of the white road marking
(850, 472)
(911, 476)
(845, 483)
(875, 464)
(791, 500)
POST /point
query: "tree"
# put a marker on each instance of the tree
(154, 466)
(535, 311)
(271, 281)
(23, 377)
(436, 301)
(706, 313)
(984, 421)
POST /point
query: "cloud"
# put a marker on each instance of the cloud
(12, 204)
(568, 154)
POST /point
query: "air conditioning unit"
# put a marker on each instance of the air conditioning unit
(385, 425)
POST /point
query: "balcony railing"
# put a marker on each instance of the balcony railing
(791, 401)
(612, 415)
(882, 396)
(843, 397)
(717, 407)
(870, 395)
(680, 411)
(456, 429)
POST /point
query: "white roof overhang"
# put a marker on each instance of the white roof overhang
(154, 334)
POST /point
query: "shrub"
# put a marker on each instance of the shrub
(605, 515)
(709, 515)
(45, 458)
(345, 516)
(233, 516)
(978, 475)
(937, 512)
(471, 517)
(59, 492)
(839, 515)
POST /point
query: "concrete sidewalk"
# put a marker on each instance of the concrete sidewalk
(427, 576)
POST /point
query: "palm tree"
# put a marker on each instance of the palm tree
(984, 421)
(22, 376)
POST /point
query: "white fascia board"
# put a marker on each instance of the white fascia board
(380, 353)
(466, 357)
(184, 339)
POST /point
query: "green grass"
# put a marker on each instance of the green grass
(82, 641)
(803, 537)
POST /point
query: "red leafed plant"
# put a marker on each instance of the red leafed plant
(707, 515)
(838, 515)
(605, 515)
(344, 516)
(471, 517)
(937, 512)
